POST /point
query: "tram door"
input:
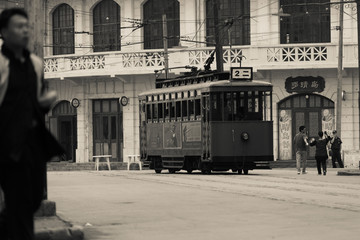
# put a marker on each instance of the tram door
(205, 103)
(229, 101)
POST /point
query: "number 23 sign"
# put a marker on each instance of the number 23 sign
(241, 73)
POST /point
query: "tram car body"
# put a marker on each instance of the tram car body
(207, 123)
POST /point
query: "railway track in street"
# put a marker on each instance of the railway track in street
(307, 189)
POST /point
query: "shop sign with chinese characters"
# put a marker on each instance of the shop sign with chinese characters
(305, 84)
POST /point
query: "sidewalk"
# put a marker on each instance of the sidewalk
(54, 228)
(349, 172)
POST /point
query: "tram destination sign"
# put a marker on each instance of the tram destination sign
(241, 73)
(304, 84)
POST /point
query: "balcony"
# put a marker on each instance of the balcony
(279, 57)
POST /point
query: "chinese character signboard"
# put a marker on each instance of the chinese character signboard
(304, 84)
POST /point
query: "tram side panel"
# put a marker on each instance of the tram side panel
(229, 148)
(173, 140)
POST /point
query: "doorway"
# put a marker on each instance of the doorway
(107, 128)
(314, 111)
(63, 125)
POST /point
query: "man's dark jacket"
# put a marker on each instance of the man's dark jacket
(21, 114)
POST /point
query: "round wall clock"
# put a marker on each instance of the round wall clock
(124, 101)
(75, 102)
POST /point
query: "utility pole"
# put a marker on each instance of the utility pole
(219, 49)
(339, 70)
(358, 38)
(165, 41)
(36, 12)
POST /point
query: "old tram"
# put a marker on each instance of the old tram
(208, 122)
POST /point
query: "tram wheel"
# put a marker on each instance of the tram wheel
(158, 170)
(246, 171)
(172, 170)
(189, 171)
(240, 171)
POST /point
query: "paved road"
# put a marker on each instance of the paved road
(266, 204)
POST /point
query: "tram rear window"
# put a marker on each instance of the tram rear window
(184, 109)
(160, 112)
(148, 112)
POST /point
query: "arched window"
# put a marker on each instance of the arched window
(153, 29)
(63, 30)
(308, 21)
(106, 20)
(233, 14)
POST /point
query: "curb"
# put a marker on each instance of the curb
(352, 172)
(55, 228)
(71, 233)
(47, 209)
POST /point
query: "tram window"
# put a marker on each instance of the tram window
(160, 112)
(155, 112)
(267, 106)
(227, 107)
(167, 110)
(215, 105)
(178, 110)
(238, 109)
(256, 101)
(184, 110)
(197, 108)
(191, 109)
(254, 106)
(148, 112)
(250, 102)
(172, 110)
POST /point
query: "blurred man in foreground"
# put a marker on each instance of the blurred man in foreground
(25, 143)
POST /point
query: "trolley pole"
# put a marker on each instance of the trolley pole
(165, 41)
(339, 70)
(219, 49)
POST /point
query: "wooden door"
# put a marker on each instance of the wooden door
(311, 119)
(106, 135)
(107, 128)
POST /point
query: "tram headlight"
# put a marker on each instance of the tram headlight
(245, 136)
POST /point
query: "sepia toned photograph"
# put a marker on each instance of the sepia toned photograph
(179, 119)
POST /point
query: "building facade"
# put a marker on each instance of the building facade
(100, 54)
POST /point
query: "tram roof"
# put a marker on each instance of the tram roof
(259, 85)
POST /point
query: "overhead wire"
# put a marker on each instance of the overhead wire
(253, 35)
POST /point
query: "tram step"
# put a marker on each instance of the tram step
(173, 164)
(262, 165)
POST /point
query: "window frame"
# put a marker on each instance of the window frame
(63, 28)
(107, 26)
(152, 13)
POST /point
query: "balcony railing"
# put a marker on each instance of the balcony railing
(145, 62)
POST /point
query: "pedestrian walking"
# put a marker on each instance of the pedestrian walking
(300, 143)
(25, 143)
(336, 150)
(321, 154)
